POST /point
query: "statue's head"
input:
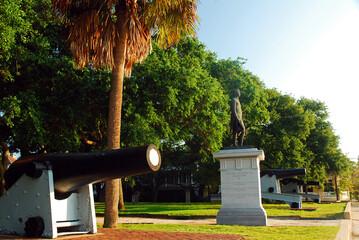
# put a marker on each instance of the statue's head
(236, 93)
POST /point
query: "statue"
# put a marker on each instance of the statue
(237, 125)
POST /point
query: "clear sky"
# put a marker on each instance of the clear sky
(305, 48)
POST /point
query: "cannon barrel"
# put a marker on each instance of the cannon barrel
(285, 181)
(283, 173)
(74, 170)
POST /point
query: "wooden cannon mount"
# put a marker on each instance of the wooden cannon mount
(50, 195)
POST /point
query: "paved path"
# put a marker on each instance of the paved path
(355, 220)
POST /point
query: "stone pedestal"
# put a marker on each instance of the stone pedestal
(241, 189)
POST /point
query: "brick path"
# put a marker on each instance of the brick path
(114, 234)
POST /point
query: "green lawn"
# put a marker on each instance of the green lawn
(172, 209)
(323, 210)
(258, 233)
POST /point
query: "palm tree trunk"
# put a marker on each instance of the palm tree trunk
(3, 165)
(114, 123)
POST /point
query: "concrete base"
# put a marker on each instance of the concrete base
(240, 216)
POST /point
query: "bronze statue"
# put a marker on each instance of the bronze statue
(237, 125)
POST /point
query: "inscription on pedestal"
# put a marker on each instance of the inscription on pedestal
(240, 186)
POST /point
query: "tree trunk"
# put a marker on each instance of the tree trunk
(122, 202)
(114, 121)
(3, 166)
(157, 188)
(337, 193)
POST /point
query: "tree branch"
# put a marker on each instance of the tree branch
(87, 141)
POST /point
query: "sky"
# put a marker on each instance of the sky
(306, 48)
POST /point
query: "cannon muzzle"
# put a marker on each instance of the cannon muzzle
(74, 170)
(283, 173)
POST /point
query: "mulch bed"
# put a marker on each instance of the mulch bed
(114, 234)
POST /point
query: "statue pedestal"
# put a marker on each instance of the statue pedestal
(240, 187)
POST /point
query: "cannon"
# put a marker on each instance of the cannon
(271, 188)
(295, 186)
(284, 173)
(50, 195)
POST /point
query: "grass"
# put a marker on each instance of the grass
(258, 233)
(171, 209)
(323, 210)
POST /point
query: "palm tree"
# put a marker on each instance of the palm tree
(115, 34)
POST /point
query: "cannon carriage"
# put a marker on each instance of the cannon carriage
(295, 186)
(50, 195)
(271, 187)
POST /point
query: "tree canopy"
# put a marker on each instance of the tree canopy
(283, 137)
(47, 92)
(173, 100)
(178, 98)
(46, 103)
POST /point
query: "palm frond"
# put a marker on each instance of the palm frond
(172, 20)
(138, 41)
(84, 36)
(93, 30)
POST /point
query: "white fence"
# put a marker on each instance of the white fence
(330, 196)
